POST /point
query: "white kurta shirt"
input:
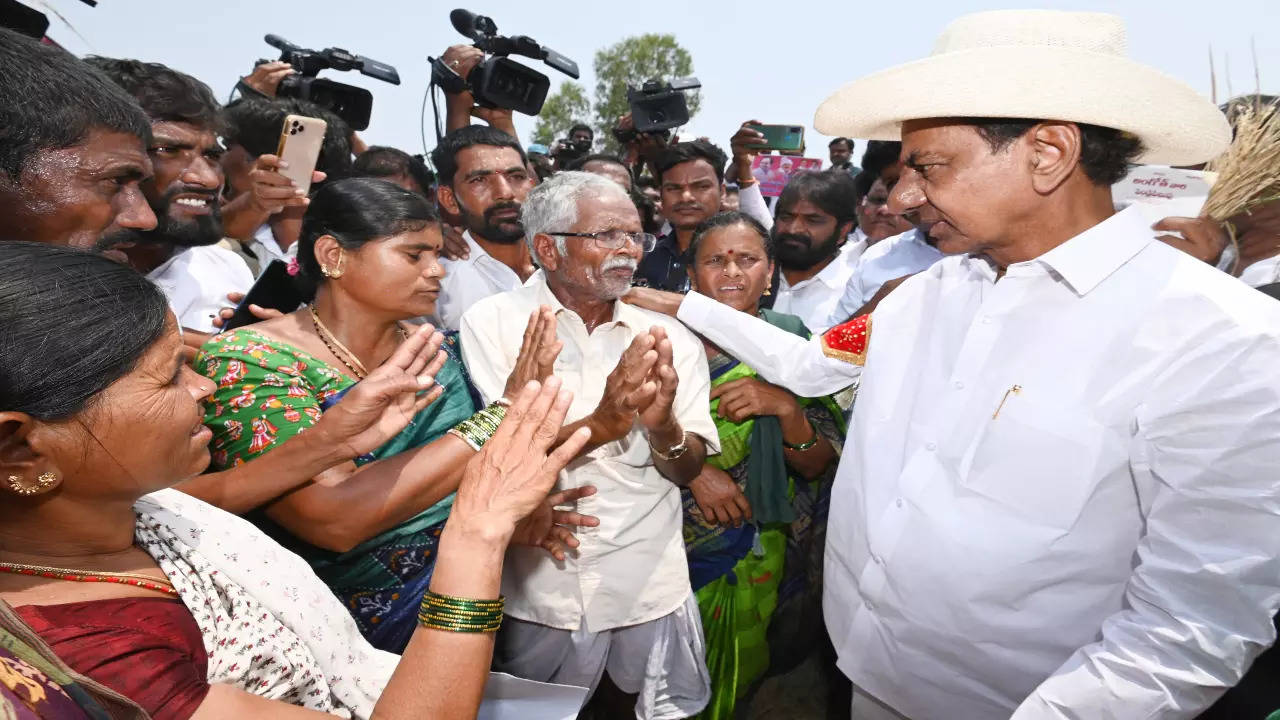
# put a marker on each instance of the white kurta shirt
(631, 568)
(887, 260)
(196, 281)
(468, 281)
(1060, 493)
(814, 299)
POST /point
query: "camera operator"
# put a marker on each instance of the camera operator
(573, 148)
(264, 82)
(461, 106)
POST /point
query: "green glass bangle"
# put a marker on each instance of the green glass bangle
(804, 445)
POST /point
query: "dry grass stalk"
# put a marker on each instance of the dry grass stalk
(1249, 171)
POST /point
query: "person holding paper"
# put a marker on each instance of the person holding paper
(1058, 495)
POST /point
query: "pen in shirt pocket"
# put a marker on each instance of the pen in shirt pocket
(1013, 390)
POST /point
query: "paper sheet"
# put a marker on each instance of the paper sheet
(507, 697)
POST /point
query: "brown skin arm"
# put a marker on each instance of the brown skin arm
(442, 674)
(372, 413)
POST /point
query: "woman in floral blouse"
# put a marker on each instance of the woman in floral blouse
(369, 528)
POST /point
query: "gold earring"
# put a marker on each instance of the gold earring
(325, 271)
(44, 482)
(767, 288)
(337, 271)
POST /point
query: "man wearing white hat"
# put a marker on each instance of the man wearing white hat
(1059, 496)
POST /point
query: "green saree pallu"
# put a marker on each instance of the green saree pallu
(269, 391)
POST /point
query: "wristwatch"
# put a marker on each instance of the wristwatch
(674, 452)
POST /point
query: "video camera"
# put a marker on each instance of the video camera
(658, 106)
(352, 104)
(499, 81)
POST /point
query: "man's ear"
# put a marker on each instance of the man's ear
(545, 252)
(845, 228)
(1054, 154)
(448, 201)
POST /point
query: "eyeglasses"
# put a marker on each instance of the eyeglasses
(614, 239)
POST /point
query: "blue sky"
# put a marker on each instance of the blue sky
(774, 61)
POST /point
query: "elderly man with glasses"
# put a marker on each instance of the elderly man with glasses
(622, 603)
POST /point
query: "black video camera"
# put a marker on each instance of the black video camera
(659, 106)
(499, 81)
(352, 104)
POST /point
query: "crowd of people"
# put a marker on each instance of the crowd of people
(938, 432)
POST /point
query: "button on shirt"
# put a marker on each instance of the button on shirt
(814, 299)
(1068, 477)
(469, 281)
(889, 259)
(196, 281)
(632, 568)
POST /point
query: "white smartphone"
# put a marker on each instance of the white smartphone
(300, 142)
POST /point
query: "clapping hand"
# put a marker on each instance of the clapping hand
(538, 352)
(378, 407)
(511, 476)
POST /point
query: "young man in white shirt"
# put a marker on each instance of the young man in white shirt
(181, 254)
(814, 219)
(1058, 496)
(483, 177)
(622, 603)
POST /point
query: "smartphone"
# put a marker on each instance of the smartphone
(781, 137)
(300, 142)
(275, 288)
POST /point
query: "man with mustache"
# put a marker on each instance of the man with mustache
(180, 254)
(815, 217)
(621, 604)
(691, 183)
(73, 149)
(482, 177)
(1058, 494)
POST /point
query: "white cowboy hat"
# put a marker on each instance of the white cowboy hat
(1040, 65)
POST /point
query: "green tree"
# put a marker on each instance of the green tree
(564, 108)
(632, 61)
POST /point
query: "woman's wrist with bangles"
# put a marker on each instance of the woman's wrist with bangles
(477, 429)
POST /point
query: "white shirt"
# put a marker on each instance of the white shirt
(632, 568)
(1106, 545)
(1263, 272)
(887, 260)
(468, 281)
(266, 249)
(196, 281)
(751, 202)
(814, 299)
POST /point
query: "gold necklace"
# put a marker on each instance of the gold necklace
(121, 578)
(330, 340)
(358, 369)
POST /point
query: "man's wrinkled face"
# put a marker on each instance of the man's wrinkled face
(586, 268)
(955, 189)
(186, 190)
(840, 153)
(74, 196)
(487, 191)
(691, 193)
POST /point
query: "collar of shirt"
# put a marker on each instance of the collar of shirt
(623, 314)
(1087, 259)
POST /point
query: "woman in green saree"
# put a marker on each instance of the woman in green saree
(754, 516)
(369, 528)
